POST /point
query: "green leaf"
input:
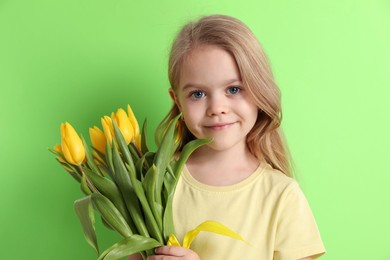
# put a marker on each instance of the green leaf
(129, 246)
(101, 156)
(139, 167)
(168, 226)
(90, 159)
(106, 224)
(84, 212)
(108, 156)
(164, 155)
(57, 153)
(74, 172)
(144, 144)
(186, 152)
(104, 169)
(122, 145)
(75, 176)
(111, 214)
(135, 154)
(151, 222)
(149, 158)
(122, 179)
(84, 186)
(148, 185)
(169, 182)
(109, 189)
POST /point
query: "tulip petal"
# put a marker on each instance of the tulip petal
(107, 128)
(72, 146)
(62, 129)
(133, 120)
(134, 123)
(76, 149)
(66, 152)
(98, 139)
(124, 125)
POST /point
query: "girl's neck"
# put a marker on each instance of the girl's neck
(221, 168)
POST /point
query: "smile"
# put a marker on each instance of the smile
(219, 126)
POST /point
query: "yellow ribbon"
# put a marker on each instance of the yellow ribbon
(208, 226)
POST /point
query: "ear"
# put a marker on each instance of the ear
(174, 98)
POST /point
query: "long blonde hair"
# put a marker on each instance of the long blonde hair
(265, 140)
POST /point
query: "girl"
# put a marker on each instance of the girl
(222, 84)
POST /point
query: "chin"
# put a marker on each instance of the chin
(220, 146)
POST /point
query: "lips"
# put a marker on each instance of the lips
(219, 126)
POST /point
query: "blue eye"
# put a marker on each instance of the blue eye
(197, 94)
(233, 90)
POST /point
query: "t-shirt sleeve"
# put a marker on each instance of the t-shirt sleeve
(297, 234)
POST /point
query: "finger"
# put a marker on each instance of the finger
(161, 257)
(172, 251)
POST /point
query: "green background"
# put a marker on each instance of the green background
(78, 60)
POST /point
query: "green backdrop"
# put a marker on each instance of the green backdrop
(77, 60)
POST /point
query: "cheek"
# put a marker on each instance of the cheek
(190, 113)
(189, 108)
(250, 111)
(193, 117)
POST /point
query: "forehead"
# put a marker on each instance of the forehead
(208, 65)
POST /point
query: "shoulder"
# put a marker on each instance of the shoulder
(277, 181)
(283, 190)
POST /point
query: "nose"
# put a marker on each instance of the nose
(217, 105)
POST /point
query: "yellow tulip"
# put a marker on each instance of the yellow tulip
(208, 226)
(134, 123)
(98, 139)
(127, 124)
(124, 125)
(108, 128)
(71, 145)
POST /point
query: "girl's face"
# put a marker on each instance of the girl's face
(212, 99)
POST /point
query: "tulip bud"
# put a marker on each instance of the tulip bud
(98, 139)
(107, 128)
(134, 123)
(124, 125)
(71, 145)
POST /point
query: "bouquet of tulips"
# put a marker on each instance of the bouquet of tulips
(130, 187)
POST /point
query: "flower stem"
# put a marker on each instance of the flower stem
(90, 184)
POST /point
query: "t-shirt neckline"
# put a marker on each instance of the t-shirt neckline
(187, 177)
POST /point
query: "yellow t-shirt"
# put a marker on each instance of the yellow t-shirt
(268, 209)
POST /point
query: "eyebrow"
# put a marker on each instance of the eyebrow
(227, 82)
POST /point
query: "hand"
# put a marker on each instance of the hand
(172, 253)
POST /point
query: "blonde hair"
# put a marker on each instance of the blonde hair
(265, 140)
